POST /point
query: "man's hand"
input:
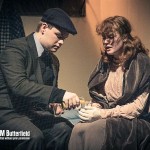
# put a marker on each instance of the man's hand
(56, 108)
(71, 100)
(89, 113)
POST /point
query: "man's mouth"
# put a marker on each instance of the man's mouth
(56, 47)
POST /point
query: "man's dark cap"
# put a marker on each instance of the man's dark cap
(60, 19)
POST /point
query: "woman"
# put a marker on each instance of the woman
(120, 86)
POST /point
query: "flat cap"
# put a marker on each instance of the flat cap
(58, 18)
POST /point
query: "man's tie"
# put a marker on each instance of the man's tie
(46, 66)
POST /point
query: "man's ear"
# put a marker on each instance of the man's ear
(43, 27)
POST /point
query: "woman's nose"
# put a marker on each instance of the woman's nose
(107, 40)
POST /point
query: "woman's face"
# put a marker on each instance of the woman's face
(113, 44)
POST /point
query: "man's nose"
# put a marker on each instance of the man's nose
(61, 41)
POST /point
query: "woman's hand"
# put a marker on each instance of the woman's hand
(96, 105)
(89, 113)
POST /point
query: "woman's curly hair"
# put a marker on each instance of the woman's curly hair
(132, 45)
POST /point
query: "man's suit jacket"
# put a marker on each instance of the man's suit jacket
(21, 82)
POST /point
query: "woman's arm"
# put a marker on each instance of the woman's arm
(130, 110)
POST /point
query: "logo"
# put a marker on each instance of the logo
(14, 135)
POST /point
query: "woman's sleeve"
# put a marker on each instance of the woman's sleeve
(130, 110)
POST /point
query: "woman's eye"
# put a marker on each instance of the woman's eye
(111, 36)
(103, 39)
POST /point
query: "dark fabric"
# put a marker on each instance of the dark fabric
(60, 19)
(136, 81)
(46, 133)
(25, 91)
(111, 134)
(57, 137)
(56, 130)
(127, 134)
(11, 25)
(48, 76)
(36, 141)
(7, 114)
(1, 2)
(21, 71)
(46, 68)
(88, 136)
(57, 94)
(120, 133)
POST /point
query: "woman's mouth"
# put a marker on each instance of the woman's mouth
(107, 48)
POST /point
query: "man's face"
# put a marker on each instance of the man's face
(52, 38)
(113, 44)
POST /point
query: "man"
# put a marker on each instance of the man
(28, 86)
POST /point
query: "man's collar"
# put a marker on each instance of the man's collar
(39, 47)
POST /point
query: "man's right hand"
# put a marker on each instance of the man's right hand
(71, 100)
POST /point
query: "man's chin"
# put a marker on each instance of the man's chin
(53, 50)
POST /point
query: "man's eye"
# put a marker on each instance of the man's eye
(59, 36)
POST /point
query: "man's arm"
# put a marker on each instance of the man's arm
(13, 61)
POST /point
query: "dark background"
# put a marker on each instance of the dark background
(75, 8)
